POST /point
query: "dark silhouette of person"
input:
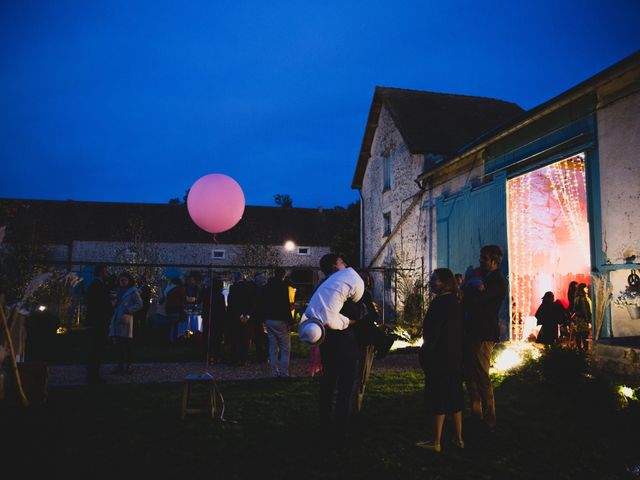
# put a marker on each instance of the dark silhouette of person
(550, 315)
(582, 309)
(241, 309)
(99, 311)
(260, 336)
(482, 298)
(175, 298)
(126, 303)
(441, 357)
(214, 312)
(276, 308)
(140, 317)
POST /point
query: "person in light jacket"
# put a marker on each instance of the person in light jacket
(126, 303)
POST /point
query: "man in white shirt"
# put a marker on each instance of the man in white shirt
(339, 348)
(331, 295)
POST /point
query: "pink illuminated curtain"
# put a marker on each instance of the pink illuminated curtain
(548, 236)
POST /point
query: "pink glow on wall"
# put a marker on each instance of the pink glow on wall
(548, 236)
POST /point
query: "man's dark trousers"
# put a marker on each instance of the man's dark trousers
(339, 353)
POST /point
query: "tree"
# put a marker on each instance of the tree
(346, 241)
(177, 201)
(283, 200)
(139, 249)
(260, 253)
(23, 255)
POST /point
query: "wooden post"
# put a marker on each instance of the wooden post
(12, 354)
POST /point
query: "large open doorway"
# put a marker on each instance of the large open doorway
(548, 236)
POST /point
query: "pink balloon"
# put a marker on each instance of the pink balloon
(215, 203)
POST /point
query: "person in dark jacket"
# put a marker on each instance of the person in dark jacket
(441, 357)
(550, 315)
(276, 308)
(241, 304)
(99, 311)
(260, 337)
(582, 309)
(140, 317)
(214, 312)
(483, 295)
(174, 300)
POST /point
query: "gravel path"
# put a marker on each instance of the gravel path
(68, 375)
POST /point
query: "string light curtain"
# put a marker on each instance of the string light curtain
(548, 235)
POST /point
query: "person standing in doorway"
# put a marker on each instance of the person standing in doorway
(482, 301)
(582, 309)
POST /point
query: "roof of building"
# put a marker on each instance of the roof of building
(61, 222)
(626, 66)
(437, 123)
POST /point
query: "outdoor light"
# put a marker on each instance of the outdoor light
(513, 355)
(626, 391)
(42, 308)
(289, 246)
(61, 331)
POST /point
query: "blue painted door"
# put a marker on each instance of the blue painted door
(467, 221)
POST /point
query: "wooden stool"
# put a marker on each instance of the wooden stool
(193, 379)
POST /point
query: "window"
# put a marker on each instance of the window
(218, 254)
(386, 224)
(386, 174)
(304, 251)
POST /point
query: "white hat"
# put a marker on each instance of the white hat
(311, 331)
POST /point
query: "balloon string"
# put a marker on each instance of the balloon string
(215, 240)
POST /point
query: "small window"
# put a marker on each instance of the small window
(386, 224)
(304, 251)
(386, 175)
(218, 254)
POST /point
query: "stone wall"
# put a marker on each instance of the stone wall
(405, 245)
(619, 152)
(181, 253)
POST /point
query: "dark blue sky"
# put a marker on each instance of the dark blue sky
(133, 101)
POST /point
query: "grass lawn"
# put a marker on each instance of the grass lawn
(552, 424)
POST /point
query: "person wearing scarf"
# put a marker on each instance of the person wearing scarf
(125, 304)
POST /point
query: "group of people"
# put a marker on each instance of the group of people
(571, 324)
(257, 312)
(460, 329)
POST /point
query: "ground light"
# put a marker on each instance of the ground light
(626, 392)
(513, 355)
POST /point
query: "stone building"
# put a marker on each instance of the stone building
(557, 187)
(407, 133)
(80, 234)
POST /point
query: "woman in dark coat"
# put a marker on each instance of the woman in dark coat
(550, 315)
(441, 357)
(582, 308)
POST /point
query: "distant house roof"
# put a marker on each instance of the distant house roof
(429, 122)
(61, 222)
